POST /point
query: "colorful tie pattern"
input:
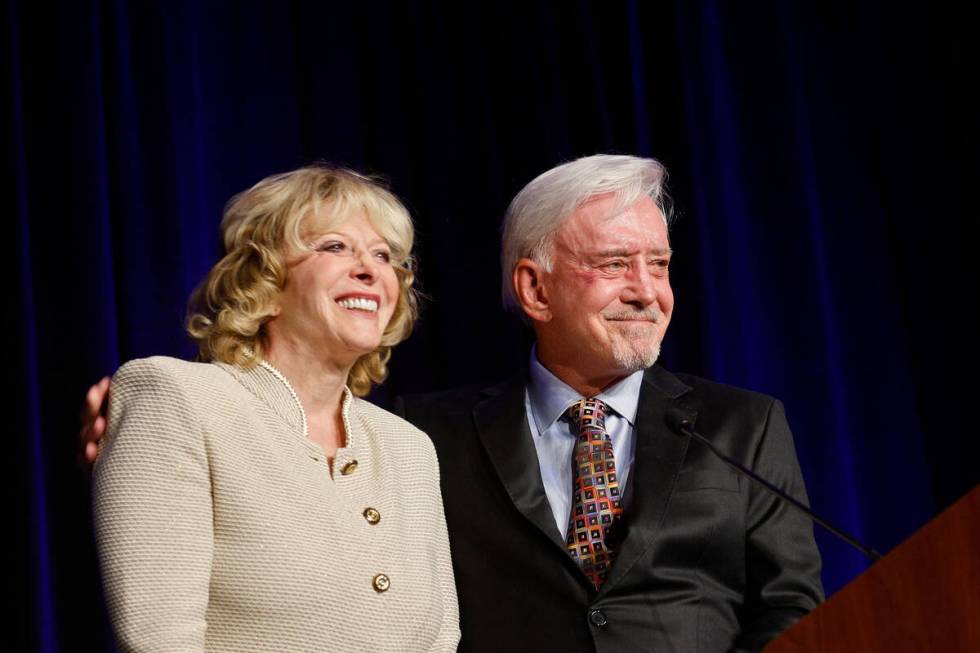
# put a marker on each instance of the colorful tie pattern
(596, 505)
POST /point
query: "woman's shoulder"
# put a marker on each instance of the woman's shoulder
(148, 393)
(392, 427)
(160, 373)
(165, 364)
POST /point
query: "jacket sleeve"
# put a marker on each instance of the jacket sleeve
(782, 561)
(153, 513)
(449, 633)
(445, 581)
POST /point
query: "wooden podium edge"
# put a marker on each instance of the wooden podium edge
(923, 596)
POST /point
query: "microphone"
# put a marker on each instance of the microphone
(680, 422)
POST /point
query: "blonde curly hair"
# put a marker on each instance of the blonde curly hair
(261, 229)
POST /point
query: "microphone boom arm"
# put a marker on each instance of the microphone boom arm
(683, 425)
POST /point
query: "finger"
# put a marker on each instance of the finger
(98, 428)
(103, 394)
(93, 431)
(91, 452)
(91, 403)
(94, 399)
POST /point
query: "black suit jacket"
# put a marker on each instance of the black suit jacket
(708, 561)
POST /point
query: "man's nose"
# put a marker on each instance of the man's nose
(642, 288)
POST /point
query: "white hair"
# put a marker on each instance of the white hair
(539, 210)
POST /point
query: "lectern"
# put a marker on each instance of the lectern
(923, 596)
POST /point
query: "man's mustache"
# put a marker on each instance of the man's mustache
(647, 314)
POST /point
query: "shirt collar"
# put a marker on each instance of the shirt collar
(550, 397)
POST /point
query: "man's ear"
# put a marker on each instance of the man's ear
(529, 286)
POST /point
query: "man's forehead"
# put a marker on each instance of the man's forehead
(600, 223)
(602, 208)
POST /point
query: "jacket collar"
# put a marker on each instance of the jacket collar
(501, 423)
(659, 456)
(271, 387)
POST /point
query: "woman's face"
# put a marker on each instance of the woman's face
(339, 298)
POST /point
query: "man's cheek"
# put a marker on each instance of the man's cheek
(587, 277)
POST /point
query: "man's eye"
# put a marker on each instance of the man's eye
(614, 266)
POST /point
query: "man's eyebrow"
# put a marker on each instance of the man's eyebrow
(609, 253)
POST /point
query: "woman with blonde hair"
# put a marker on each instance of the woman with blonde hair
(252, 501)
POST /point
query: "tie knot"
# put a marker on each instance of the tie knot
(588, 413)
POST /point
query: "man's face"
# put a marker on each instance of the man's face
(608, 294)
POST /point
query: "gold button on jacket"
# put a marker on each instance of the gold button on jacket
(349, 468)
(372, 516)
(381, 583)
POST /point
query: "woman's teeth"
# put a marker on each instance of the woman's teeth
(359, 304)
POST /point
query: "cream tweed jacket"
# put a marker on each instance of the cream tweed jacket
(220, 526)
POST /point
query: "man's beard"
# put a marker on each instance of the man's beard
(632, 356)
(630, 351)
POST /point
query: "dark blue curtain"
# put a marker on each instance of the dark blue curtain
(822, 158)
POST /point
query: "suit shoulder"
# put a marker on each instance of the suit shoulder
(378, 416)
(461, 398)
(444, 414)
(723, 392)
(720, 406)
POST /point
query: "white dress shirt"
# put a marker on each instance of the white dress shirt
(546, 399)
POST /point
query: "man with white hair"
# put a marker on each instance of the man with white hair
(578, 521)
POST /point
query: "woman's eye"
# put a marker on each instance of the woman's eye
(382, 255)
(331, 246)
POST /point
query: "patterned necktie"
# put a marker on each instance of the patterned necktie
(596, 505)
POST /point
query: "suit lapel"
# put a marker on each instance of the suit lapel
(657, 461)
(501, 422)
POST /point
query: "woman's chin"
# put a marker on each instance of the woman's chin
(362, 346)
